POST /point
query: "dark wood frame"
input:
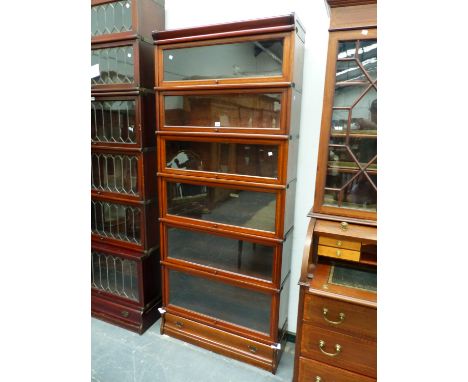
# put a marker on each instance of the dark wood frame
(145, 170)
(133, 315)
(143, 75)
(148, 224)
(144, 118)
(147, 15)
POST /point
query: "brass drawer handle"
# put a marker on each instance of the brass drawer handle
(179, 324)
(124, 313)
(252, 349)
(338, 244)
(318, 379)
(338, 253)
(337, 348)
(341, 315)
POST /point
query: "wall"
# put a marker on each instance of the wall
(313, 15)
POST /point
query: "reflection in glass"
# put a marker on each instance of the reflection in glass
(250, 209)
(113, 17)
(236, 60)
(349, 71)
(229, 158)
(364, 149)
(360, 194)
(249, 110)
(232, 255)
(115, 65)
(113, 122)
(346, 96)
(346, 49)
(364, 114)
(339, 121)
(117, 221)
(114, 173)
(114, 275)
(226, 302)
(368, 57)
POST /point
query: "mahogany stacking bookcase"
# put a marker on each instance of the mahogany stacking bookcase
(337, 319)
(228, 101)
(125, 270)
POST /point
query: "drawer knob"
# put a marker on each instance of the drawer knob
(337, 349)
(325, 314)
(344, 226)
(252, 349)
(124, 313)
(338, 253)
(179, 324)
(338, 244)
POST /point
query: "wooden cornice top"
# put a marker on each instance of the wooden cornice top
(348, 3)
(232, 29)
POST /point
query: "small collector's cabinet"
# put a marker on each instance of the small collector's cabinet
(228, 102)
(337, 319)
(125, 270)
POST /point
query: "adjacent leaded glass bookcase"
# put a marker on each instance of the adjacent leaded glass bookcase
(228, 101)
(336, 331)
(125, 270)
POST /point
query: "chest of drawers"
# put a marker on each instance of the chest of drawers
(337, 320)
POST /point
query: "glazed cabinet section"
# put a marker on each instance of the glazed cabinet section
(125, 19)
(125, 253)
(226, 140)
(123, 284)
(123, 66)
(122, 120)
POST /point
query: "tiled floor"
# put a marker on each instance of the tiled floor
(119, 355)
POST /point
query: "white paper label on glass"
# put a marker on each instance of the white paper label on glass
(95, 71)
(217, 124)
(270, 153)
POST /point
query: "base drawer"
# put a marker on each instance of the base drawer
(219, 341)
(313, 371)
(340, 350)
(340, 316)
(131, 318)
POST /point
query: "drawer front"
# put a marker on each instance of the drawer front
(219, 337)
(333, 242)
(339, 253)
(313, 371)
(340, 316)
(118, 311)
(340, 350)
